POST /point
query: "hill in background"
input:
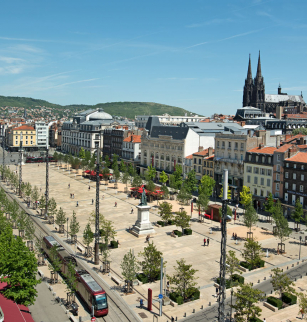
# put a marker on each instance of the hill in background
(124, 109)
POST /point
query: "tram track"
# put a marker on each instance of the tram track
(119, 310)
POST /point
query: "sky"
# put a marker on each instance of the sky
(187, 53)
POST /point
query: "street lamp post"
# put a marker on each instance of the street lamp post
(47, 182)
(97, 232)
(299, 256)
(3, 147)
(231, 305)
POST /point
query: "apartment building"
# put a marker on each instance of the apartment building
(42, 135)
(132, 149)
(203, 162)
(24, 133)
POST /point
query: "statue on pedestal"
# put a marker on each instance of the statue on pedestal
(143, 198)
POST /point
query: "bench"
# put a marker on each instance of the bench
(116, 280)
(207, 216)
(40, 273)
(81, 249)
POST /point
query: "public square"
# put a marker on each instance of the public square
(203, 258)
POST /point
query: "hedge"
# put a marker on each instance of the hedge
(289, 298)
(196, 294)
(275, 302)
(114, 244)
(249, 266)
(161, 223)
(179, 300)
(254, 320)
(171, 222)
(142, 277)
(103, 246)
(227, 283)
(187, 231)
(238, 278)
(176, 297)
(178, 233)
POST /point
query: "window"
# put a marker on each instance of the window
(236, 156)
(262, 181)
(302, 177)
(261, 193)
(287, 165)
(255, 192)
(302, 167)
(286, 174)
(194, 160)
(229, 144)
(278, 177)
(278, 157)
(301, 188)
(263, 159)
(293, 186)
(268, 182)
(294, 176)
(223, 144)
(277, 187)
(236, 145)
(248, 179)
(269, 159)
(16, 142)
(294, 165)
(26, 142)
(199, 161)
(16, 137)
(199, 169)
(286, 185)
(255, 180)
(256, 170)
(257, 158)
(250, 157)
(278, 168)
(262, 171)
(242, 146)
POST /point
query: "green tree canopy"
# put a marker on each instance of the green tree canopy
(270, 204)
(163, 178)
(206, 186)
(246, 196)
(301, 130)
(165, 211)
(18, 268)
(108, 231)
(74, 225)
(184, 196)
(150, 173)
(123, 167)
(252, 252)
(250, 217)
(202, 202)
(130, 267)
(107, 161)
(190, 183)
(137, 181)
(60, 218)
(151, 262)
(150, 186)
(298, 213)
(184, 278)
(246, 302)
(281, 282)
(182, 220)
(88, 235)
(232, 265)
(82, 153)
(228, 193)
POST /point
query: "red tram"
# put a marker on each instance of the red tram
(90, 291)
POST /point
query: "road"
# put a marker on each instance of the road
(211, 313)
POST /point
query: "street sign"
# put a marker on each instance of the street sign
(160, 296)
(93, 319)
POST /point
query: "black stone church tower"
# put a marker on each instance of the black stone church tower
(254, 89)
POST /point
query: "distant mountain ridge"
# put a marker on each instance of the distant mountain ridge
(124, 109)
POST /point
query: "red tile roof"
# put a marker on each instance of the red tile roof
(12, 311)
(189, 156)
(299, 157)
(294, 137)
(284, 148)
(264, 150)
(210, 158)
(133, 138)
(203, 152)
(296, 116)
(24, 127)
(302, 146)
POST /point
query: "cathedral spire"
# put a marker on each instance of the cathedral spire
(259, 75)
(249, 72)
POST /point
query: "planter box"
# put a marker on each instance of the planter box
(243, 269)
(174, 304)
(166, 301)
(271, 307)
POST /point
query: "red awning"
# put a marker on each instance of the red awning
(87, 171)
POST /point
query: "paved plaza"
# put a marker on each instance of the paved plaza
(203, 258)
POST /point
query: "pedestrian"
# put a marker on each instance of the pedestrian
(172, 319)
(77, 203)
(118, 242)
(208, 242)
(264, 320)
(167, 288)
(89, 187)
(141, 303)
(70, 196)
(40, 189)
(216, 291)
(233, 236)
(73, 196)
(131, 210)
(92, 201)
(302, 312)
(205, 241)
(115, 204)
(68, 185)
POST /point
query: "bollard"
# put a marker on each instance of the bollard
(202, 307)
(292, 265)
(209, 303)
(297, 263)
(282, 269)
(258, 281)
(252, 284)
(193, 311)
(184, 315)
(176, 319)
(264, 278)
(294, 279)
(271, 292)
(287, 267)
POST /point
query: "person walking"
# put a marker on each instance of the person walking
(89, 187)
(77, 204)
(92, 201)
(115, 204)
(264, 320)
(131, 210)
(208, 242)
(68, 185)
(205, 241)
(141, 303)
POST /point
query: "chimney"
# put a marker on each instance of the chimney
(200, 148)
(279, 111)
(210, 151)
(261, 146)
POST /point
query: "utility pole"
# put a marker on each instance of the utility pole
(222, 290)
(20, 163)
(47, 181)
(97, 232)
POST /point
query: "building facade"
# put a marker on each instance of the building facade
(132, 149)
(42, 135)
(203, 163)
(24, 133)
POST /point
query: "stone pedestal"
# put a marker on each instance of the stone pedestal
(143, 225)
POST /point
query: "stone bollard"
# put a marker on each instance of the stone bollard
(209, 303)
(193, 311)
(202, 307)
(297, 263)
(287, 267)
(271, 292)
(258, 281)
(184, 315)
(264, 278)
(292, 265)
